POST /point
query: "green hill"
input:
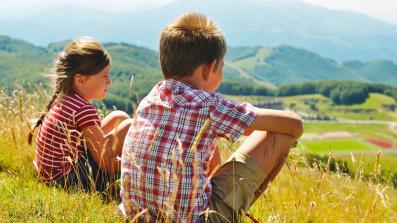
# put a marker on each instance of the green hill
(246, 68)
(285, 64)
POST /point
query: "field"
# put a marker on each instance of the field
(374, 108)
(302, 192)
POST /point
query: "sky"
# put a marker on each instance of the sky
(385, 10)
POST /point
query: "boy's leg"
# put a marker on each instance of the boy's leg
(246, 174)
(270, 151)
(267, 149)
(112, 120)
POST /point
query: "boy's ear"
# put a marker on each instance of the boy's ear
(213, 65)
(209, 69)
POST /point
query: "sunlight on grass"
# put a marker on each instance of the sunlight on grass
(338, 145)
(302, 193)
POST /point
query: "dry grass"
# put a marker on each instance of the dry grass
(300, 194)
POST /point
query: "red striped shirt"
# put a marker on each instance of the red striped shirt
(58, 141)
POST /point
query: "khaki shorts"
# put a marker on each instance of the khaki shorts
(233, 188)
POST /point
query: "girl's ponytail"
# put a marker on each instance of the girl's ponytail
(40, 120)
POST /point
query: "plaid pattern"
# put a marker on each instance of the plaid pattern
(163, 168)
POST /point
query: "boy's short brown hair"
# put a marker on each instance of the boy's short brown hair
(188, 42)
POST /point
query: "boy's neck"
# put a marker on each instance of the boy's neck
(196, 79)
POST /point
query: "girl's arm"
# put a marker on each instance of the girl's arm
(278, 121)
(105, 147)
(101, 149)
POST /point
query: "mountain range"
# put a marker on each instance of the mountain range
(266, 66)
(340, 35)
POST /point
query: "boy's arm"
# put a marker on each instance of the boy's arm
(285, 122)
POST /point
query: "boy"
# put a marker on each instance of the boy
(167, 150)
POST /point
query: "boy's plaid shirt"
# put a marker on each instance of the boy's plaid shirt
(161, 170)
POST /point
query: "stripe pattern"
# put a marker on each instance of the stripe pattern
(59, 140)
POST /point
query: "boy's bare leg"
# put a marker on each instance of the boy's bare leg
(270, 151)
(269, 178)
(112, 120)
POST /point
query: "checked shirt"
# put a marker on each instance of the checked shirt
(163, 168)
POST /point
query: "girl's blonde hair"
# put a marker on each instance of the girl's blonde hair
(85, 56)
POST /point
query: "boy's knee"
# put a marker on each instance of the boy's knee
(280, 143)
(283, 140)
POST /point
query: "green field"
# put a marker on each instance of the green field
(378, 131)
(317, 105)
(338, 146)
(372, 109)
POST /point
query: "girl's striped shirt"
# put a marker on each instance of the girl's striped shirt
(59, 142)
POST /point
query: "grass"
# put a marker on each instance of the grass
(367, 161)
(26, 200)
(300, 194)
(338, 146)
(307, 194)
(379, 131)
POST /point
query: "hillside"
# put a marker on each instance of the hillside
(246, 68)
(285, 64)
(303, 192)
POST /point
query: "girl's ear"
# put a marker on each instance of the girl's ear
(78, 80)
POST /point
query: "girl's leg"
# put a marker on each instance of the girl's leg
(112, 148)
(112, 120)
(115, 127)
(117, 135)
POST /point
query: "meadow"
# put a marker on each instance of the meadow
(302, 193)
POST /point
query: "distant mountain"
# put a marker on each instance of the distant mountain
(340, 35)
(285, 64)
(249, 66)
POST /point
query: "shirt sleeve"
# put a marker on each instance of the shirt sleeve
(230, 119)
(87, 116)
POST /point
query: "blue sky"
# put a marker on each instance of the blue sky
(385, 10)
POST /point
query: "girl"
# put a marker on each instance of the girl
(74, 147)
